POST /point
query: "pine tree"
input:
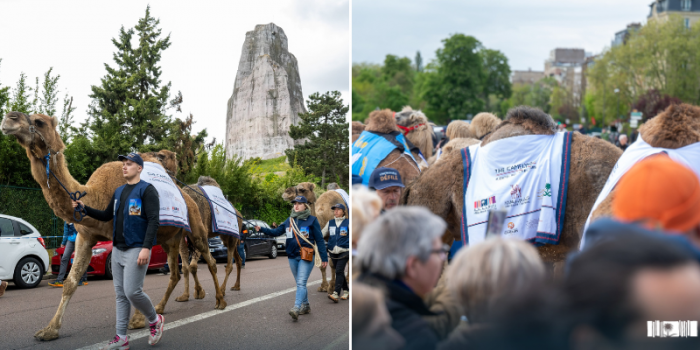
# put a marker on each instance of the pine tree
(325, 154)
(129, 107)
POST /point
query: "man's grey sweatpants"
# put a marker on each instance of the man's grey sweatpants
(128, 284)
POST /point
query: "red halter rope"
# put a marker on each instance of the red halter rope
(407, 130)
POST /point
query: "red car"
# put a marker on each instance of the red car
(101, 262)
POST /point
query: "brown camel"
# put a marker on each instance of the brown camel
(459, 129)
(676, 127)
(453, 144)
(357, 129)
(483, 124)
(37, 134)
(383, 122)
(440, 188)
(417, 129)
(463, 134)
(324, 214)
(230, 242)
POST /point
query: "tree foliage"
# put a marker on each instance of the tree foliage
(325, 154)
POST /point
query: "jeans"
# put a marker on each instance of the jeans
(241, 252)
(301, 270)
(65, 258)
(340, 282)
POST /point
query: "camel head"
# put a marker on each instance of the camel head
(305, 189)
(167, 159)
(459, 129)
(408, 117)
(357, 127)
(207, 181)
(381, 121)
(332, 186)
(36, 132)
(676, 127)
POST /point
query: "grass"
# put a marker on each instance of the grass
(273, 165)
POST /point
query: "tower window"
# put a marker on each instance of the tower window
(685, 5)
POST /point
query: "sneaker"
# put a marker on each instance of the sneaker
(333, 297)
(156, 331)
(294, 312)
(3, 286)
(82, 283)
(305, 309)
(56, 283)
(164, 271)
(117, 344)
(346, 295)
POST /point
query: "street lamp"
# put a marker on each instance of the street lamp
(617, 110)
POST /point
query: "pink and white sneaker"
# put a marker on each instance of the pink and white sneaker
(117, 344)
(156, 330)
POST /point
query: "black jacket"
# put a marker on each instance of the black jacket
(407, 310)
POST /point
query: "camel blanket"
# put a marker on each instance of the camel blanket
(371, 148)
(173, 209)
(345, 196)
(223, 215)
(688, 156)
(526, 176)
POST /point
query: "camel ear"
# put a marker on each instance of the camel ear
(313, 186)
(54, 122)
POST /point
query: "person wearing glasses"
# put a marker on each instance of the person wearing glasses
(402, 254)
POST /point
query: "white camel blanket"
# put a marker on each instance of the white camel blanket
(526, 176)
(173, 209)
(688, 156)
(223, 215)
(345, 196)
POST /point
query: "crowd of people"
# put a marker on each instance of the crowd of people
(637, 268)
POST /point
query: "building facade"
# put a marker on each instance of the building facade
(689, 10)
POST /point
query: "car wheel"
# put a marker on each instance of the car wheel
(28, 273)
(108, 267)
(273, 251)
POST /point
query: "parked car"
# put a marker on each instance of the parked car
(217, 249)
(101, 262)
(257, 243)
(23, 256)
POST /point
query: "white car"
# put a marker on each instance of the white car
(23, 256)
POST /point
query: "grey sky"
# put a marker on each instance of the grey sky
(525, 31)
(74, 37)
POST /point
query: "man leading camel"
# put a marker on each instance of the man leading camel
(387, 183)
(135, 209)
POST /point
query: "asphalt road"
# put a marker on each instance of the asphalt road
(256, 316)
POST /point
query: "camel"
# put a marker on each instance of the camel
(453, 144)
(383, 122)
(484, 124)
(459, 132)
(459, 129)
(230, 242)
(324, 214)
(440, 188)
(676, 127)
(37, 134)
(332, 186)
(417, 129)
(357, 129)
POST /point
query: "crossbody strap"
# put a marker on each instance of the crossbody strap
(295, 231)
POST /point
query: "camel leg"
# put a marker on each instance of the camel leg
(174, 274)
(232, 250)
(198, 290)
(83, 254)
(203, 248)
(184, 255)
(239, 264)
(324, 281)
(331, 284)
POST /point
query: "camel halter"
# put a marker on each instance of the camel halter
(407, 130)
(79, 211)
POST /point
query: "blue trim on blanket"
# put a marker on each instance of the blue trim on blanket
(543, 238)
(466, 171)
(215, 228)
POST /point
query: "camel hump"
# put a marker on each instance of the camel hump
(484, 123)
(675, 127)
(381, 121)
(207, 181)
(534, 118)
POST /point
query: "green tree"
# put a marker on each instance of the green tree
(497, 76)
(419, 62)
(15, 169)
(129, 107)
(454, 84)
(326, 152)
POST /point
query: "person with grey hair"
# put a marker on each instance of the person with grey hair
(402, 254)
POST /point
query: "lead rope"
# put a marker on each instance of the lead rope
(78, 212)
(317, 258)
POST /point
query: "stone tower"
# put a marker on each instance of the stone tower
(266, 97)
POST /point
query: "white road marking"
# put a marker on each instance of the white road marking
(170, 325)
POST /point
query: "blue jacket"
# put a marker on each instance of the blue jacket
(69, 233)
(315, 236)
(134, 229)
(339, 236)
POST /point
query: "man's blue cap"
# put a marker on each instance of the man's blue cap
(356, 179)
(385, 177)
(299, 199)
(338, 206)
(132, 157)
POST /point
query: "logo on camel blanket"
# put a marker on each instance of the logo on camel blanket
(688, 156)
(173, 210)
(531, 189)
(370, 149)
(223, 215)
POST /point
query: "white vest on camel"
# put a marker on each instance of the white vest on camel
(688, 156)
(173, 209)
(223, 215)
(526, 176)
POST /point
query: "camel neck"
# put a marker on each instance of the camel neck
(55, 195)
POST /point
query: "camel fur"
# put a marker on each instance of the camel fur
(453, 144)
(676, 127)
(483, 124)
(324, 214)
(357, 129)
(422, 136)
(100, 188)
(229, 241)
(459, 129)
(440, 188)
